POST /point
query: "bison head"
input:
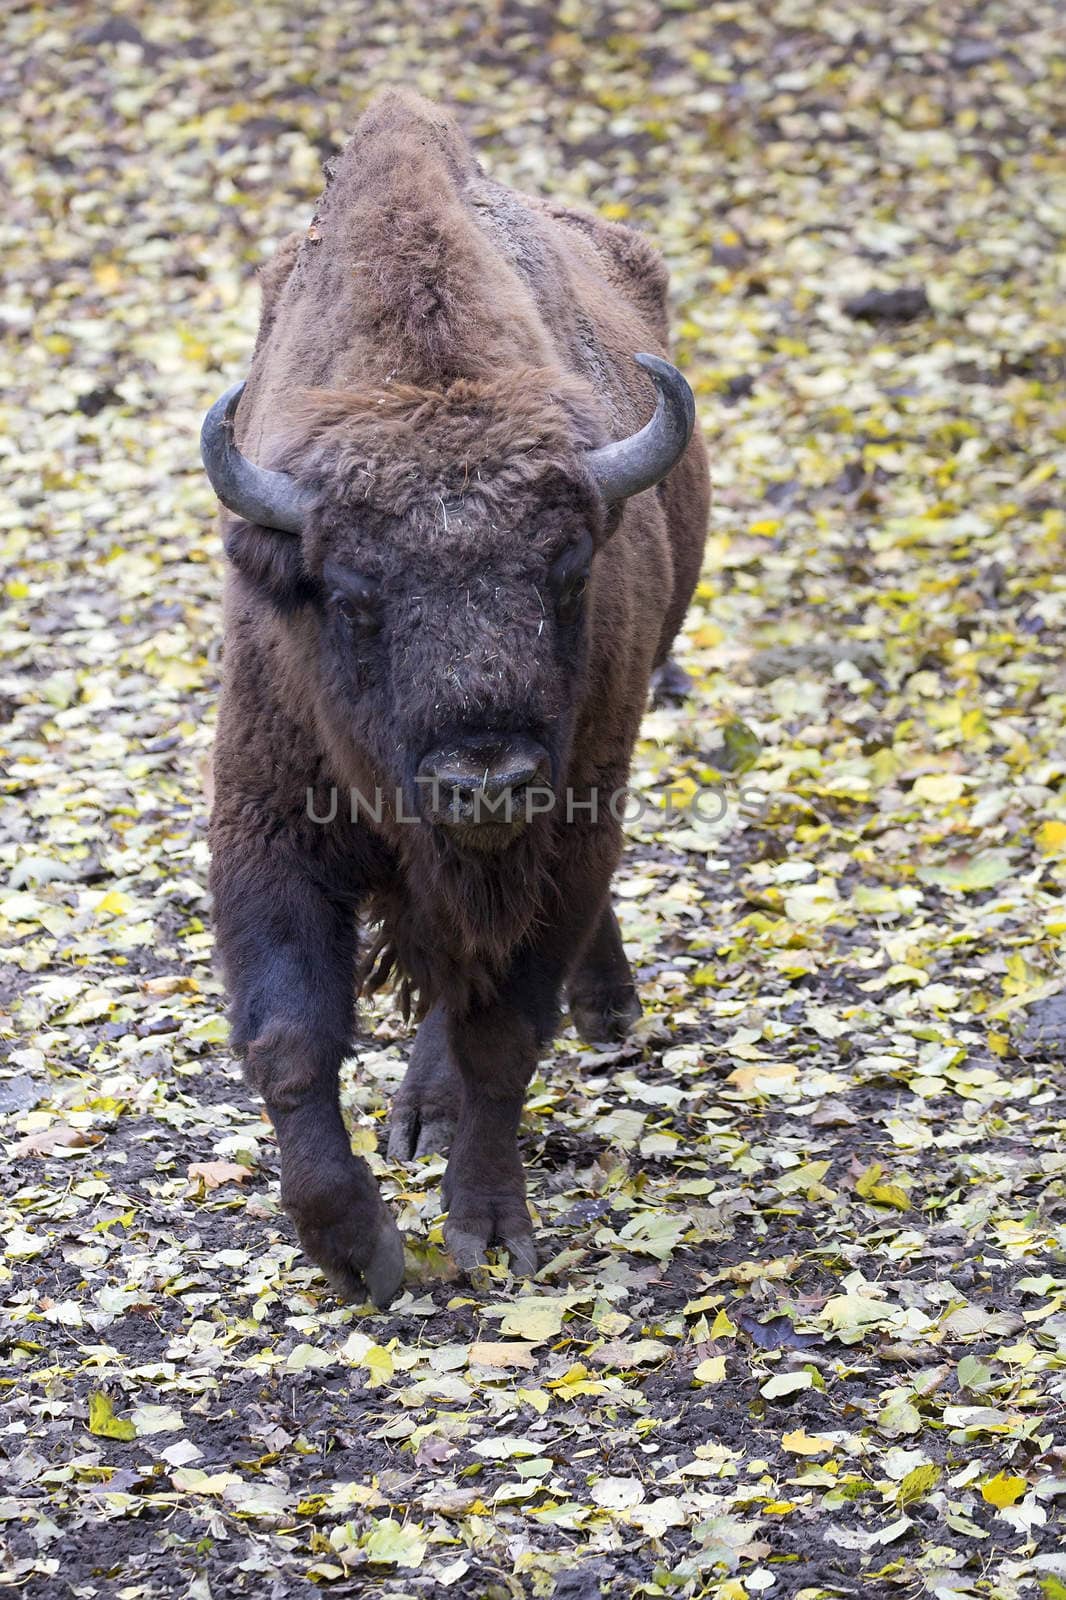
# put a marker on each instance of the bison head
(435, 549)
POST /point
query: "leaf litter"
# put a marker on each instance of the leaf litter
(801, 1323)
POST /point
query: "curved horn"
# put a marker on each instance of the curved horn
(272, 499)
(629, 465)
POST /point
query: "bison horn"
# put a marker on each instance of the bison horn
(622, 468)
(272, 499)
(629, 465)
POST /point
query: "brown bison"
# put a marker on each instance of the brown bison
(458, 549)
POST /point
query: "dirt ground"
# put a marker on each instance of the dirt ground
(801, 1327)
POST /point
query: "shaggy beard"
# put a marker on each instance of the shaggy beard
(451, 932)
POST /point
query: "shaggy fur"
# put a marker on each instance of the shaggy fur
(435, 357)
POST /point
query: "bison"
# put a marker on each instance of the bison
(458, 547)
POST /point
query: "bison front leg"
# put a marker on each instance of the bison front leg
(495, 1045)
(288, 953)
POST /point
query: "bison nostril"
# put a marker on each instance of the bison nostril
(480, 780)
(512, 775)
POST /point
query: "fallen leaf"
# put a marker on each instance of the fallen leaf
(502, 1354)
(783, 1384)
(617, 1494)
(534, 1318)
(801, 1443)
(213, 1174)
(1003, 1490)
(59, 1139)
(102, 1419)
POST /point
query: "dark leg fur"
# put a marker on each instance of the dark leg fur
(602, 995)
(495, 1045)
(426, 1108)
(603, 1004)
(289, 955)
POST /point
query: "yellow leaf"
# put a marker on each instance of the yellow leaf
(576, 1380)
(113, 904)
(103, 1421)
(107, 276)
(885, 1194)
(501, 1353)
(682, 792)
(722, 1328)
(539, 1399)
(172, 983)
(379, 1364)
(801, 1443)
(917, 1484)
(536, 1317)
(940, 788)
(710, 1371)
(1040, 474)
(1002, 1490)
(1051, 838)
(764, 1078)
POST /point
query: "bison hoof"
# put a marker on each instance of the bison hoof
(671, 685)
(357, 1244)
(423, 1116)
(383, 1273)
(419, 1131)
(470, 1232)
(606, 1019)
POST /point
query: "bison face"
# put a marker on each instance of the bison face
(451, 648)
(439, 545)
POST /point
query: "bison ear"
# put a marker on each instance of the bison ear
(272, 562)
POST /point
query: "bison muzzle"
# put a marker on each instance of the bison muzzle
(458, 546)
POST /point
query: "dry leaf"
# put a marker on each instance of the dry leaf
(213, 1174)
(502, 1353)
(56, 1140)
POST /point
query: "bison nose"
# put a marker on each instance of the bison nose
(478, 781)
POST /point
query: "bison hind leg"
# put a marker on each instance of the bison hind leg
(670, 684)
(601, 992)
(424, 1113)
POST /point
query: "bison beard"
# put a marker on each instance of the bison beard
(456, 932)
(448, 552)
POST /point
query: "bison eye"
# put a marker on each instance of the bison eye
(571, 597)
(354, 598)
(569, 579)
(360, 613)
